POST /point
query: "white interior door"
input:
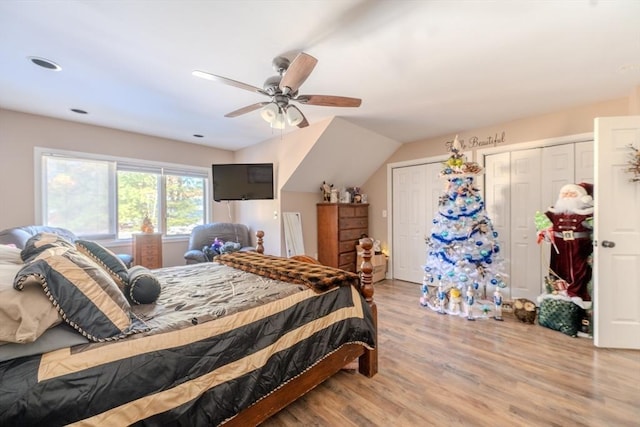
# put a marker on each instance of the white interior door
(416, 190)
(409, 247)
(616, 234)
(525, 201)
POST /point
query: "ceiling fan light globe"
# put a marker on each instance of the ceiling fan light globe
(294, 115)
(270, 112)
(278, 122)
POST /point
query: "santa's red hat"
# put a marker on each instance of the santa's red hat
(588, 187)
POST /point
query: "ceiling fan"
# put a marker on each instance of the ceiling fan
(283, 89)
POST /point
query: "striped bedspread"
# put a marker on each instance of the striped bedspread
(206, 358)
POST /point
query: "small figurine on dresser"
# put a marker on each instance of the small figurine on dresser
(147, 225)
(326, 191)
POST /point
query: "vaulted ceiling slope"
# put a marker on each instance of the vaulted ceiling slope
(422, 68)
(344, 155)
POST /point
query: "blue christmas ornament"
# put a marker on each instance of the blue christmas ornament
(478, 243)
(463, 278)
(444, 233)
(450, 273)
(494, 281)
(450, 211)
(484, 252)
(475, 285)
(495, 234)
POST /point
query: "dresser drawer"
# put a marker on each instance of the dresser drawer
(347, 257)
(357, 222)
(351, 234)
(347, 246)
(346, 211)
(149, 249)
(348, 267)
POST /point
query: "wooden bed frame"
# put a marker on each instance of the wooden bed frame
(291, 391)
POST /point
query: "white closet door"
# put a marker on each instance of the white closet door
(558, 169)
(584, 162)
(525, 201)
(408, 251)
(498, 204)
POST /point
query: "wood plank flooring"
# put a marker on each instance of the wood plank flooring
(447, 371)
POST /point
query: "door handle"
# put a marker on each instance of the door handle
(608, 244)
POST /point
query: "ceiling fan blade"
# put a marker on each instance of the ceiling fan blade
(304, 123)
(230, 82)
(329, 100)
(297, 72)
(246, 109)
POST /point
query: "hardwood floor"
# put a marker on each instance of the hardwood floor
(447, 371)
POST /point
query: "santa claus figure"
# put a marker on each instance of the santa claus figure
(572, 238)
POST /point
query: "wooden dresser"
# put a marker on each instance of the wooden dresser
(340, 226)
(147, 249)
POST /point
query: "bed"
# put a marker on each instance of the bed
(229, 342)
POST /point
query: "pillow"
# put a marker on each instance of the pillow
(143, 287)
(106, 259)
(41, 242)
(86, 297)
(24, 316)
(9, 254)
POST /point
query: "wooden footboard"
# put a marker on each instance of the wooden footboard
(288, 393)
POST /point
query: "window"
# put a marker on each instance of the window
(103, 198)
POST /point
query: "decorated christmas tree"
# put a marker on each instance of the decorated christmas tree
(463, 262)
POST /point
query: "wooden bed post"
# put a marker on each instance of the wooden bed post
(259, 242)
(368, 362)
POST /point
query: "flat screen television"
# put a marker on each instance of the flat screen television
(242, 181)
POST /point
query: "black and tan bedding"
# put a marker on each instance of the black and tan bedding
(217, 340)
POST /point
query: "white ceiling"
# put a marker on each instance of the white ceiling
(422, 68)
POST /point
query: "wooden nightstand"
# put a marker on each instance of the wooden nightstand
(147, 249)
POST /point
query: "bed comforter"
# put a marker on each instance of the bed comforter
(219, 339)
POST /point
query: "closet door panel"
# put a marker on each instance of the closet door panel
(497, 199)
(584, 168)
(525, 201)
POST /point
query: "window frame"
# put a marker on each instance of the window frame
(125, 164)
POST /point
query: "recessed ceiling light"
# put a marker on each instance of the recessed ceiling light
(79, 111)
(629, 68)
(197, 135)
(45, 63)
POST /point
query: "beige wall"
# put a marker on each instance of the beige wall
(20, 133)
(286, 152)
(568, 122)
